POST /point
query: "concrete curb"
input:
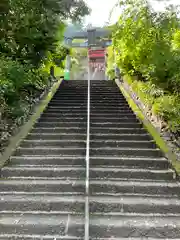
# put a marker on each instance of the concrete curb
(24, 130)
(155, 133)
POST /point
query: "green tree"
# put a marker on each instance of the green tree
(29, 28)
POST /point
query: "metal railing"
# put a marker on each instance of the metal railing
(86, 236)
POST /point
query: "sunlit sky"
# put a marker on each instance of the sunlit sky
(102, 8)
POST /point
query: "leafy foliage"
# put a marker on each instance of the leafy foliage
(147, 45)
(31, 32)
(28, 29)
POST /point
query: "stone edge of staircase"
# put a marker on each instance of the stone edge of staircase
(15, 140)
(163, 143)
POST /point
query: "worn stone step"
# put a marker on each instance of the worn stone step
(71, 187)
(84, 110)
(44, 223)
(70, 97)
(70, 104)
(116, 130)
(113, 115)
(126, 151)
(112, 111)
(60, 101)
(74, 110)
(92, 107)
(55, 102)
(39, 151)
(56, 136)
(64, 114)
(65, 172)
(54, 143)
(133, 162)
(51, 172)
(93, 143)
(128, 225)
(92, 124)
(38, 237)
(50, 119)
(60, 124)
(98, 96)
(141, 162)
(94, 119)
(48, 160)
(94, 130)
(134, 204)
(115, 120)
(122, 143)
(84, 94)
(120, 137)
(141, 225)
(79, 98)
(107, 205)
(59, 130)
(84, 114)
(116, 188)
(105, 105)
(116, 124)
(20, 202)
(113, 173)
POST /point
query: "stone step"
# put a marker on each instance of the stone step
(49, 119)
(94, 130)
(62, 130)
(48, 151)
(122, 143)
(54, 143)
(84, 98)
(126, 151)
(141, 226)
(93, 143)
(57, 136)
(42, 223)
(94, 119)
(116, 130)
(84, 109)
(71, 104)
(117, 188)
(60, 101)
(120, 137)
(101, 172)
(124, 226)
(37, 237)
(84, 114)
(97, 187)
(97, 107)
(133, 162)
(70, 187)
(107, 205)
(70, 150)
(93, 110)
(48, 160)
(92, 124)
(46, 203)
(134, 205)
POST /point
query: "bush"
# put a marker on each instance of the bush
(147, 48)
(19, 83)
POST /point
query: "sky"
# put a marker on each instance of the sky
(102, 8)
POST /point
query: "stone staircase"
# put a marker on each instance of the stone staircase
(133, 193)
